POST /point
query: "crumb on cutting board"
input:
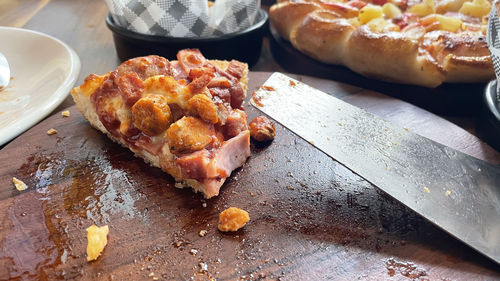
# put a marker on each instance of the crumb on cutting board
(51, 131)
(65, 113)
(97, 240)
(19, 184)
(232, 219)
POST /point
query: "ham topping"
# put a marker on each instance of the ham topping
(202, 164)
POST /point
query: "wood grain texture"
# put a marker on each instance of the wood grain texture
(15, 13)
(311, 218)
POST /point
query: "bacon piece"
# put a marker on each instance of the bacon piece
(236, 69)
(237, 95)
(131, 88)
(197, 85)
(223, 94)
(190, 58)
(200, 71)
(146, 67)
(99, 99)
(379, 2)
(405, 19)
(357, 4)
(221, 82)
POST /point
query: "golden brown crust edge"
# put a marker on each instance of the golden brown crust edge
(326, 37)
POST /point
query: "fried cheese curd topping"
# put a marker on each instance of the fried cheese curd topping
(232, 219)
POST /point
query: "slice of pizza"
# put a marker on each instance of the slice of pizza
(185, 116)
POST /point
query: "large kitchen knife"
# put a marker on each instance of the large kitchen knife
(457, 192)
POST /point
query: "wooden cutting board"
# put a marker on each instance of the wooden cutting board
(311, 218)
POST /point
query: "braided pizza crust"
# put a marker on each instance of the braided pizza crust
(417, 54)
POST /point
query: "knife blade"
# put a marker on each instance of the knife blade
(455, 191)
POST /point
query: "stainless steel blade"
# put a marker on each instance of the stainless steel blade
(457, 192)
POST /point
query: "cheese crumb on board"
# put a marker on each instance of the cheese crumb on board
(20, 185)
(65, 113)
(232, 219)
(97, 240)
(448, 192)
(426, 189)
(51, 132)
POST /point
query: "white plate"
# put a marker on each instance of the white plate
(43, 71)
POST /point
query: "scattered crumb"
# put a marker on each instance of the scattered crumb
(339, 109)
(97, 240)
(151, 274)
(289, 187)
(203, 267)
(20, 185)
(318, 192)
(51, 132)
(387, 168)
(479, 169)
(155, 278)
(340, 124)
(193, 252)
(232, 219)
(202, 233)
(311, 142)
(204, 205)
(251, 193)
(292, 83)
(426, 189)
(65, 113)
(448, 192)
(406, 129)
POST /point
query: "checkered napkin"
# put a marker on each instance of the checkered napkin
(493, 40)
(184, 18)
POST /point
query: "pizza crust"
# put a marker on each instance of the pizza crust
(394, 56)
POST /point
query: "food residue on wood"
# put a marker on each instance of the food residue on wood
(97, 240)
(232, 219)
(406, 269)
(20, 185)
(65, 113)
(51, 132)
(202, 233)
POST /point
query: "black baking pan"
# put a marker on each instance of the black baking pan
(488, 126)
(458, 99)
(244, 45)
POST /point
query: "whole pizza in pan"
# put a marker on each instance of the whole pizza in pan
(420, 42)
(184, 116)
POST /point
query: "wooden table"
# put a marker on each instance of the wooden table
(310, 221)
